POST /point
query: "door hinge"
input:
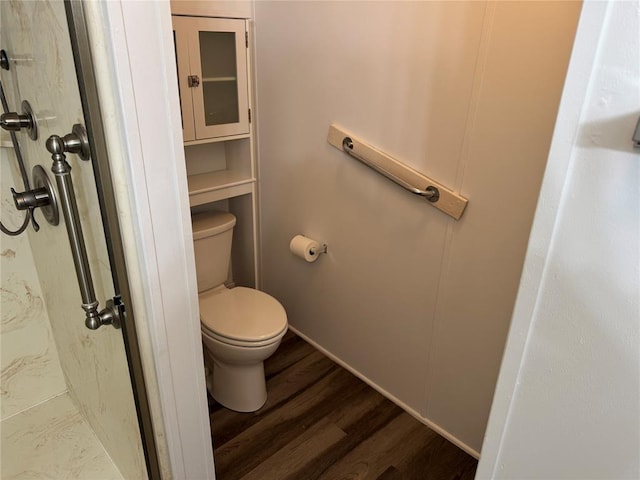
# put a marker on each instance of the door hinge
(249, 115)
(246, 39)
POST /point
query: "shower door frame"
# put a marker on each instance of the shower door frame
(85, 73)
(134, 60)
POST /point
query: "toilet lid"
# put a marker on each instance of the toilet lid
(242, 314)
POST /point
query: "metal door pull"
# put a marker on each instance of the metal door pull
(78, 143)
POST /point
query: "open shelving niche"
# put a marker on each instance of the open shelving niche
(221, 176)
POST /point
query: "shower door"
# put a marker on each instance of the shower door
(49, 65)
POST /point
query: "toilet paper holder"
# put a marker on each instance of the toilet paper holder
(322, 248)
(307, 248)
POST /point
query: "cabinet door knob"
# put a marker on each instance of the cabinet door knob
(193, 80)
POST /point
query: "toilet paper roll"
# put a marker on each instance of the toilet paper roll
(305, 248)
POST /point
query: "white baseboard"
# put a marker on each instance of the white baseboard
(433, 426)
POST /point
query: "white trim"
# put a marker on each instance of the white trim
(154, 198)
(551, 195)
(433, 426)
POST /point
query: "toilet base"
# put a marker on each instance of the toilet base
(241, 388)
(235, 374)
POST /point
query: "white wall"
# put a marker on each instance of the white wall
(466, 92)
(568, 399)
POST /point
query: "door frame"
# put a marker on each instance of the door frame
(134, 60)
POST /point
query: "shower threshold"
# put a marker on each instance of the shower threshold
(52, 440)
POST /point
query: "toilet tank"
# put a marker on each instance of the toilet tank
(212, 234)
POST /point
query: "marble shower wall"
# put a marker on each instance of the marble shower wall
(29, 363)
(94, 362)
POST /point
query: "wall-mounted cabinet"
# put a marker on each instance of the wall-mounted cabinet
(212, 76)
(214, 80)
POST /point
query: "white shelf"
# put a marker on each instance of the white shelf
(214, 186)
(216, 139)
(219, 79)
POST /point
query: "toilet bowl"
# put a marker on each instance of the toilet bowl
(241, 327)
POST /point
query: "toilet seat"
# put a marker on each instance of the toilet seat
(242, 316)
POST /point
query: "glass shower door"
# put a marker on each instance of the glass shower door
(69, 384)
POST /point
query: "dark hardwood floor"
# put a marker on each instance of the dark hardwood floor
(321, 422)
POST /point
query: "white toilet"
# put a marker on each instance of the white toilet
(241, 327)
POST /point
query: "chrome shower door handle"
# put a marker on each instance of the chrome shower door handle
(78, 143)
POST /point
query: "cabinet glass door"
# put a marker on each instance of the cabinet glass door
(219, 79)
(220, 101)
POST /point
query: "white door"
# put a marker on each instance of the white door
(568, 396)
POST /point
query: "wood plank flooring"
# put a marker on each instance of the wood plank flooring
(321, 422)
